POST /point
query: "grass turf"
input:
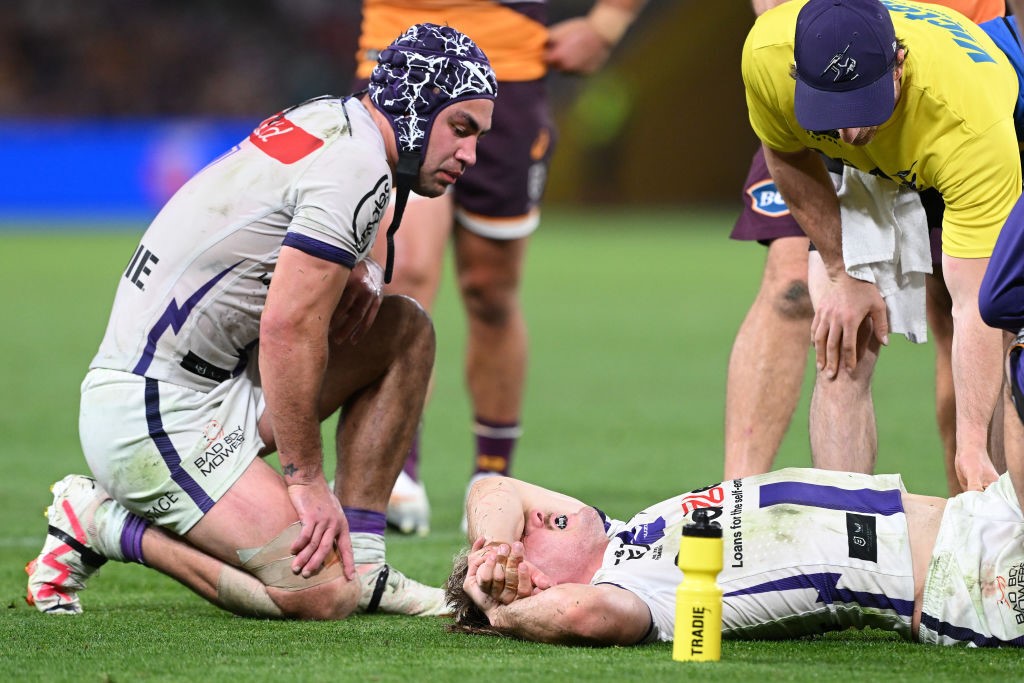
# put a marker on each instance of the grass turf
(632, 318)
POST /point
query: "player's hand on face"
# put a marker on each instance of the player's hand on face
(324, 528)
(849, 311)
(574, 47)
(360, 301)
(497, 574)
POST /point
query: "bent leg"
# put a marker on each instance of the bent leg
(254, 511)
(489, 276)
(380, 384)
(766, 366)
(842, 417)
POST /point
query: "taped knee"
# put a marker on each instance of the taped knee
(272, 563)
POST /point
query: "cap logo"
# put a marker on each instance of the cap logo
(843, 67)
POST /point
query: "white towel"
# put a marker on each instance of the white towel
(886, 241)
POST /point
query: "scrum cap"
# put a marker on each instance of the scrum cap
(423, 71)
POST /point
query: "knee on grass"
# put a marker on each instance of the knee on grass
(326, 594)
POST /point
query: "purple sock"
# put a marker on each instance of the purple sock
(131, 538)
(412, 459)
(495, 442)
(365, 521)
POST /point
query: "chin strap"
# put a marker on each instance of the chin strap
(406, 172)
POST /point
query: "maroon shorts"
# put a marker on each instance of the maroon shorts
(512, 160)
(765, 216)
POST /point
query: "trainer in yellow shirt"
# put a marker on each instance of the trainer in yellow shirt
(920, 95)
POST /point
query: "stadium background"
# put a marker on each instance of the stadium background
(117, 102)
(632, 289)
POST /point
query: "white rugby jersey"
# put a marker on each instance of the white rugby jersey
(188, 306)
(804, 551)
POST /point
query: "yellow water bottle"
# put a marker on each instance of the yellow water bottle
(698, 630)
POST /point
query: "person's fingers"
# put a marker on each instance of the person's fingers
(880, 321)
(485, 573)
(517, 584)
(344, 546)
(305, 553)
(819, 335)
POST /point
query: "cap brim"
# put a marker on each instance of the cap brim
(870, 105)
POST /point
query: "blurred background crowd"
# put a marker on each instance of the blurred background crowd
(664, 124)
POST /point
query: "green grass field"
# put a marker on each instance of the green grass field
(631, 318)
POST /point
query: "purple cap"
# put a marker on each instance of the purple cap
(845, 51)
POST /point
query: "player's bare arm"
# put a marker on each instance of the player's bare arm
(301, 301)
(847, 303)
(496, 507)
(575, 614)
(977, 370)
(581, 45)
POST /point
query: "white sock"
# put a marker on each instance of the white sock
(110, 519)
(367, 548)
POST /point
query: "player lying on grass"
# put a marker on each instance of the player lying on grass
(249, 313)
(805, 551)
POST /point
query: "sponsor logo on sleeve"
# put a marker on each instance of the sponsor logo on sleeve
(281, 139)
(369, 213)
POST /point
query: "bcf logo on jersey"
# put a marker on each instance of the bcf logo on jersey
(766, 200)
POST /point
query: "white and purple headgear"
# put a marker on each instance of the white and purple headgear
(423, 71)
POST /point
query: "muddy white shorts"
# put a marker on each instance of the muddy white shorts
(166, 452)
(974, 593)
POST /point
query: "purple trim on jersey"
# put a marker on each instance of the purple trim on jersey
(826, 583)
(832, 498)
(966, 635)
(131, 538)
(174, 318)
(604, 519)
(322, 250)
(167, 451)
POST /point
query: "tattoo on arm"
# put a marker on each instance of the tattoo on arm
(289, 470)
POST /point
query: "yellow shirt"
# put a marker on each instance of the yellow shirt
(952, 128)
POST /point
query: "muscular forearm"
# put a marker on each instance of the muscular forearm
(612, 18)
(977, 355)
(494, 510)
(292, 363)
(805, 184)
(575, 614)
(977, 377)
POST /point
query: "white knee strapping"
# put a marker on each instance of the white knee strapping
(272, 564)
(245, 595)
